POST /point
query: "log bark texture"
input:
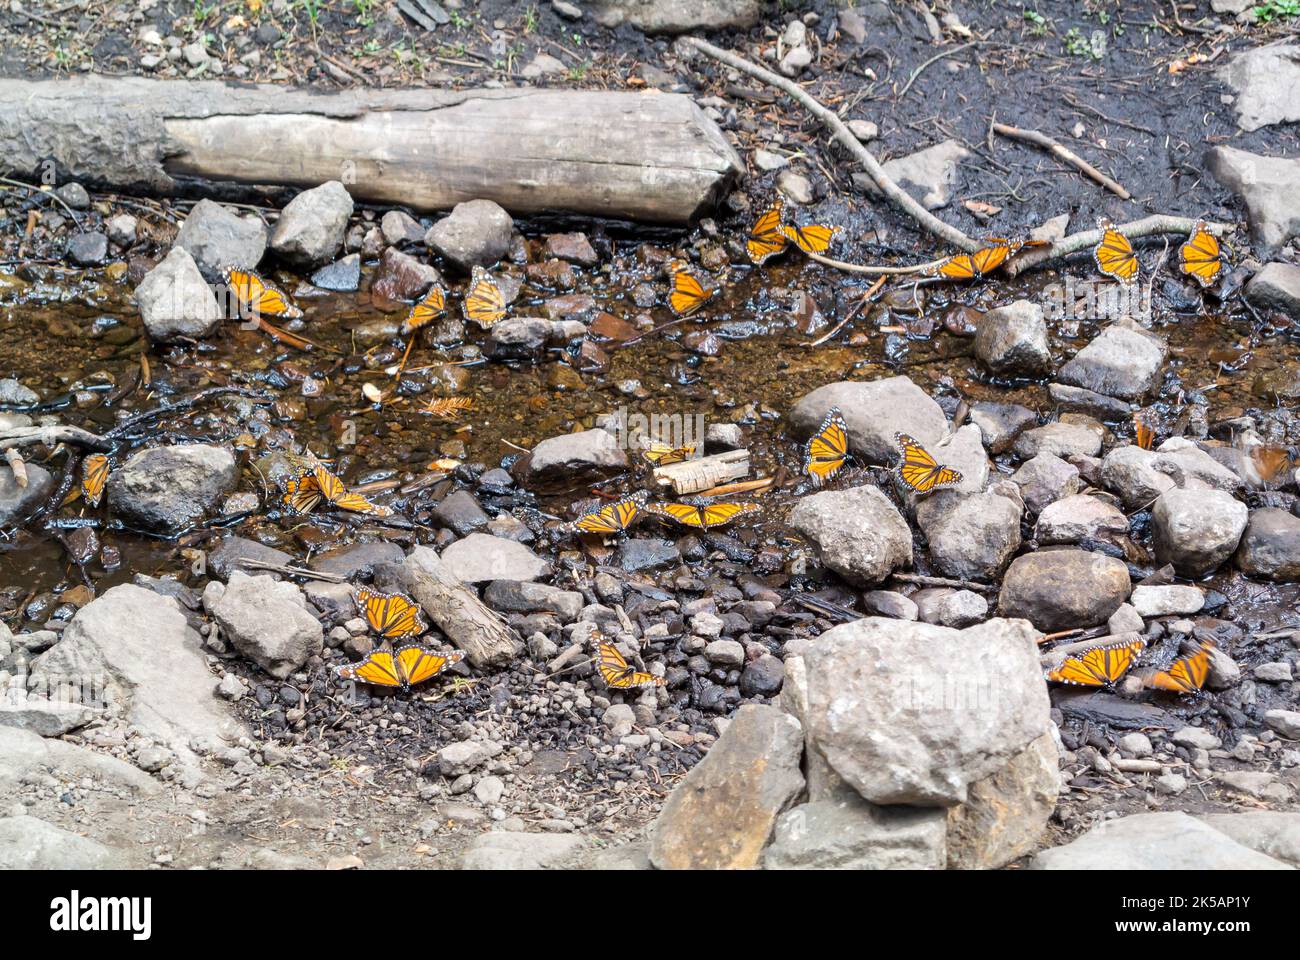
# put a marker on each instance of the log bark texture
(457, 611)
(651, 157)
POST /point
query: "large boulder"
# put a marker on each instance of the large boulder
(24, 754)
(858, 533)
(1270, 547)
(1267, 186)
(175, 301)
(475, 233)
(511, 850)
(1154, 841)
(267, 621)
(1063, 589)
(217, 239)
(721, 815)
(169, 489)
(1120, 362)
(1196, 530)
(1274, 833)
(1265, 80)
(910, 713)
(874, 411)
(311, 227)
(142, 660)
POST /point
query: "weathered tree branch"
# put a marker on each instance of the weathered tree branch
(1063, 153)
(14, 437)
(1077, 242)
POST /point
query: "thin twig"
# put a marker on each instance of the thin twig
(935, 59)
(862, 302)
(896, 194)
(1063, 153)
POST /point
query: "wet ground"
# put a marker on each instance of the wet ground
(74, 337)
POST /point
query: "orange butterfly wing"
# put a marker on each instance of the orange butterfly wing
(616, 673)
(430, 308)
(1098, 666)
(1187, 674)
(765, 237)
(394, 616)
(416, 665)
(94, 473)
(301, 493)
(1200, 257)
(380, 669)
(485, 304)
(919, 470)
(827, 449)
(687, 294)
(259, 297)
(813, 238)
(1114, 255)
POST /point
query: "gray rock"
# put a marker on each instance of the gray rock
(460, 512)
(1154, 841)
(1166, 600)
(43, 716)
(343, 275)
(399, 226)
(267, 621)
(175, 301)
(310, 230)
(1006, 814)
(1000, 423)
(970, 537)
(13, 392)
(619, 719)
(795, 187)
(142, 659)
(481, 557)
(28, 843)
(1270, 547)
(888, 603)
(18, 502)
(224, 559)
(1063, 589)
(1070, 399)
(849, 833)
(951, 608)
(24, 753)
(1135, 745)
(725, 653)
(1196, 530)
(570, 461)
(509, 850)
(893, 718)
(1273, 833)
(722, 813)
(528, 338)
(476, 232)
(1277, 287)
(357, 559)
(1140, 476)
(1079, 517)
(217, 239)
(1045, 479)
(515, 596)
(168, 489)
(1060, 439)
(641, 553)
(466, 756)
(1012, 340)
(88, 249)
(858, 533)
(1121, 362)
(1285, 722)
(1125, 620)
(676, 16)
(930, 175)
(1267, 186)
(1264, 80)
(874, 411)
(762, 677)
(74, 195)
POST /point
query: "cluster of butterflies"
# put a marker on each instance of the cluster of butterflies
(1104, 664)
(397, 620)
(827, 451)
(314, 484)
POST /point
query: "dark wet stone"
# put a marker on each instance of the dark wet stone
(1001, 423)
(169, 587)
(640, 554)
(355, 560)
(1080, 400)
(1108, 709)
(343, 275)
(762, 677)
(88, 249)
(459, 511)
(223, 560)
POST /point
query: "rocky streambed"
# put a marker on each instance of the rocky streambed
(852, 675)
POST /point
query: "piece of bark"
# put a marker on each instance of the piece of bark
(641, 156)
(458, 612)
(692, 476)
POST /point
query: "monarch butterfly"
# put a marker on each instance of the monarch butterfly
(827, 449)
(1200, 257)
(765, 237)
(1146, 437)
(1114, 254)
(257, 296)
(919, 470)
(617, 674)
(484, 302)
(1186, 674)
(94, 473)
(612, 518)
(662, 454)
(967, 266)
(704, 516)
(410, 665)
(447, 407)
(429, 308)
(813, 238)
(394, 616)
(1270, 462)
(308, 488)
(1098, 666)
(688, 294)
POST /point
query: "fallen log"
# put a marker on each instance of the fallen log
(701, 473)
(651, 157)
(457, 611)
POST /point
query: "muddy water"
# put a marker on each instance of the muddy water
(70, 331)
